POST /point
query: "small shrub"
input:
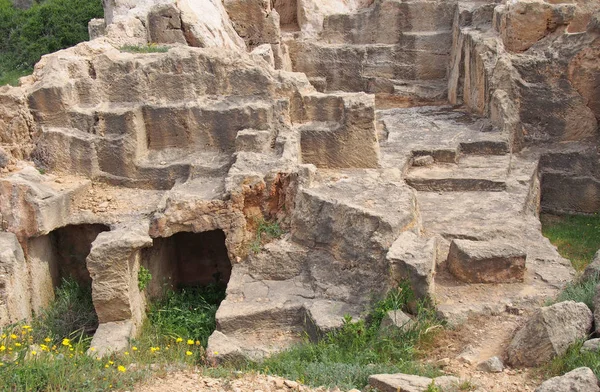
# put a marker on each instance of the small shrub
(150, 48)
(578, 291)
(144, 278)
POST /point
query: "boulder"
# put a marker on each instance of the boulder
(578, 380)
(486, 262)
(409, 383)
(492, 365)
(591, 345)
(549, 332)
(396, 320)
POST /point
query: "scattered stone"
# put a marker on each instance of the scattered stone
(396, 320)
(467, 356)
(399, 382)
(410, 383)
(579, 380)
(492, 365)
(549, 332)
(291, 384)
(486, 262)
(425, 160)
(591, 345)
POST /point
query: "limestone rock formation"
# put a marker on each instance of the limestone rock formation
(549, 332)
(581, 379)
(312, 114)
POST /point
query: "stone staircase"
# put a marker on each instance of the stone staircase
(396, 50)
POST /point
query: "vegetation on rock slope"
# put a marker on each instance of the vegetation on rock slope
(577, 238)
(48, 26)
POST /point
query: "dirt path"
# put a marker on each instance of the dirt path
(190, 381)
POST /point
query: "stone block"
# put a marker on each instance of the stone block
(486, 262)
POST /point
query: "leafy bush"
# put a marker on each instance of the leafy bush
(48, 26)
(71, 315)
(579, 291)
(345, 358)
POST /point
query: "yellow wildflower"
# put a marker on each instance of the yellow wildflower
(188, 353)
(13, 336)
(179, 340)
(106, 366)
(66, 342)
(190, 342)
(121, 369)
(134, 348)
(47, 340)
(3, 336)
(2, 348)
(34, 353)
(92, 349)
(197, 342)
(17, 344)
(126, 353)
(111, 363)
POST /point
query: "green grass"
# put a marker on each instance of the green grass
(150, 48)
(571, 360)
(577, 237)
(50, 355)
(11, 77)
(579, 291)
(71, 315)
(189, 313)
(346, 358)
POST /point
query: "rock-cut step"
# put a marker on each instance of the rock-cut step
(472, 173)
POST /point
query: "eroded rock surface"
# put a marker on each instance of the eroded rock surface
(203, 140)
